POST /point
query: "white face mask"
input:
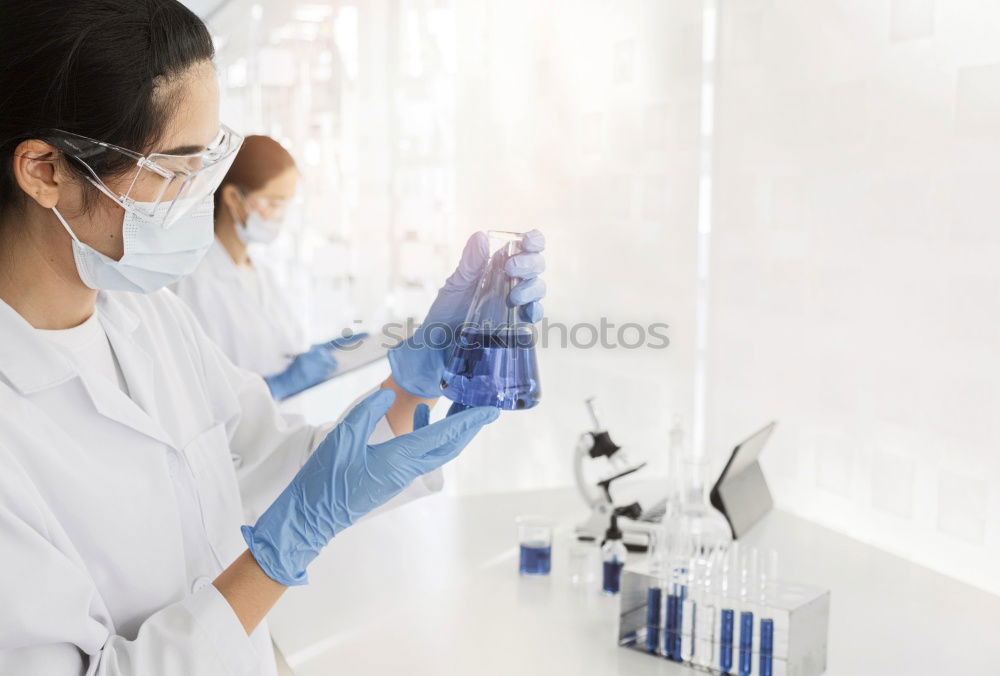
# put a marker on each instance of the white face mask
(258, 230)
(154, 257)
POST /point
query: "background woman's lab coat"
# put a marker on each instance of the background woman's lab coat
(260, 334)
(116, 513)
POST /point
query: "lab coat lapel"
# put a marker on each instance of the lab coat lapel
(114, 404)
(135, 410)
(31, 365)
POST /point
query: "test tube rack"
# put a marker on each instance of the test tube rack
(781, 634)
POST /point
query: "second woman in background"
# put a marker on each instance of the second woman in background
(238, 301)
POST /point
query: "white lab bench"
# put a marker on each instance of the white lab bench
(432, 588)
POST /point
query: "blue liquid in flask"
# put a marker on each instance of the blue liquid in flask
(493, 368)
(536, 559)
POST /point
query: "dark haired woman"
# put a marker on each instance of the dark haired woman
(237, 300)
(130, 447)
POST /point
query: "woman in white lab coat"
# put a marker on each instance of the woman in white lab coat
(131, 448)
(237, 299)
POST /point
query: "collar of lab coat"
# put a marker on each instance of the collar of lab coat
(31, 364)
(220, 262)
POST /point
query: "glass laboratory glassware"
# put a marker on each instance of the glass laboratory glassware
(534, 535)
(582, 563)
(493, 362)
(691, 527)
(613, 555)
(659, 547)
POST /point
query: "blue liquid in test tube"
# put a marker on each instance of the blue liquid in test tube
(746, 643)
(672, 631)
(766, 646)
(493, 368)
(726, 641)
(536, 559)
(679, 620)
(654, 603)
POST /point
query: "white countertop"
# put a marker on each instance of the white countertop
(432, 588)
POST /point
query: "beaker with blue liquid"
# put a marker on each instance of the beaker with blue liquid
(493, 362)
(534, 537)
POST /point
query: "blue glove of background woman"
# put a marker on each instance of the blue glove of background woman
(418, 362)
(309, 368)
(345, 478)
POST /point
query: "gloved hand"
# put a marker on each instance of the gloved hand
(345, 478)
(307, 369)
(418, 362)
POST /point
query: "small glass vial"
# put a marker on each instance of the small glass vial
(613, 555)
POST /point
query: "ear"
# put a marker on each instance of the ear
(36, 172)
(232, 199)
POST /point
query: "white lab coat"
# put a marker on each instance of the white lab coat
(95, 577)
(260, 334)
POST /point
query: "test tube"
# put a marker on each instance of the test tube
(704, 622)
(749, 580)
(727, 613)
(654, 611)
(726, 640)
(768, 592)
(671, 633)
(689, 609)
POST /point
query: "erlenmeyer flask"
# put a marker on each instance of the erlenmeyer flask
(691, 526)
(493, 362)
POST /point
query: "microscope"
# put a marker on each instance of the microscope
(596, 450)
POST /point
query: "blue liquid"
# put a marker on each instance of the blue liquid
(536, 560)
(672, 635)
(766, 646)
(654, 604)
(495, 368)
(746, 643)
(682, 594)
(675, 623)
(612, 576)
(726, 641)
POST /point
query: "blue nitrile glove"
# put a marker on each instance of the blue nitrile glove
(418, 362)
(345, 478)
(307, 369)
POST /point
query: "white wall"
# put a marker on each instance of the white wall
(856, 246)
(417, 122)
(581, 119)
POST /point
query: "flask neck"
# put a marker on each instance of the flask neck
(489, 310)
(695, 470)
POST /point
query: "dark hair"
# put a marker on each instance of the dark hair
(90, 67)
(259, 160)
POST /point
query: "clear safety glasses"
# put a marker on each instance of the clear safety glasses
(271, 208)
(159, 188)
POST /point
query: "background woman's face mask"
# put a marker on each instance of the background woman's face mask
(258, 230)
(154, 256)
